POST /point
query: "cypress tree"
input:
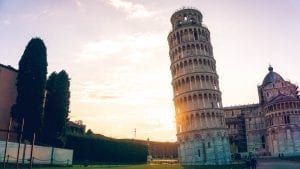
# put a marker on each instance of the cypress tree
(31, 83)
(56, 108)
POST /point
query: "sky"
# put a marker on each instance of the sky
(116, 53)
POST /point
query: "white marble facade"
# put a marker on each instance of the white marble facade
(272, 126)
(281, 105)
(201, 131)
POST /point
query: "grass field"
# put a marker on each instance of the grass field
(159, 166)
(162, 166)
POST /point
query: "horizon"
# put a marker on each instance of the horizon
(116, 53)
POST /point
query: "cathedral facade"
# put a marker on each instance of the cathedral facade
(270, 127)
(201, 131)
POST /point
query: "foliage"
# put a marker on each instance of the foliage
(31, 83)
(89, 132)
(106, 150)
(56, 108)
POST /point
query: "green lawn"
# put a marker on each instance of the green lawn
(158, 166)
(118, 167)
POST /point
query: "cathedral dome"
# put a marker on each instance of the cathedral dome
(271, 77)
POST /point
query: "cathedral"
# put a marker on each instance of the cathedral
(270, 127)
(207, 132)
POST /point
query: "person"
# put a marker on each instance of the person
(248, 164)
(253, 163)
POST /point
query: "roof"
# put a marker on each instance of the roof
(282, 97)
(8, 67)
(245, 106)
(271, 77)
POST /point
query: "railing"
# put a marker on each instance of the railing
(12, 153)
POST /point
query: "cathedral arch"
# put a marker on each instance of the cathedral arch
(207, 78)
(190, 62)
(202, 78)
(185, 63)
(197, 78)
(201, 46)
(195, 62)
(195, 34)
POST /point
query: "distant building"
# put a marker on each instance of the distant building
(76, 127)
(270, 127)
(8, 94)
(162, 150)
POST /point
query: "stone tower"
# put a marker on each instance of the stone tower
(201, 131)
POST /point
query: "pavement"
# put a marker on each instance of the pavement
(277, 164)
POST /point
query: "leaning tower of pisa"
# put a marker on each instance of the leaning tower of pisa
(201, 132)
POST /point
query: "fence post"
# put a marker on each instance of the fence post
(52, 153)
(7, 138)
(7, 160)
(20, 139)
(31, 153)
(24, 153)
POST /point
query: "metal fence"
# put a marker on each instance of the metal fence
(17, 153)
(41, 154)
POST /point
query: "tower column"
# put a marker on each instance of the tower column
(196, 88)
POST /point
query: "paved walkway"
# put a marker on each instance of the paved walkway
(278, 164)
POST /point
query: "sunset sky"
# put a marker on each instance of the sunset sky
(116, 53)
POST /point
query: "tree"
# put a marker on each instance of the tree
(56, 108)
(31, 83)
(89, 132)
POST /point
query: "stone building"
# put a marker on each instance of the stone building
(8, 94)
(201, 130)
(76, 127)
(270, 127)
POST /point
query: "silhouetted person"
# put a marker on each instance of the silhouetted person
(248, 163)
(253, 163)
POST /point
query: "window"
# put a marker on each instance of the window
(195, 35)
(287, 119)
(208, 145)
(263, 141)
(199, 153)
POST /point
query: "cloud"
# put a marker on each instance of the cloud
(133, 11)
(108, 97)
(78, 3)
(132, 47)
(6, 22)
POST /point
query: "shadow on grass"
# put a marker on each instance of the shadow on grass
(293, 158)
